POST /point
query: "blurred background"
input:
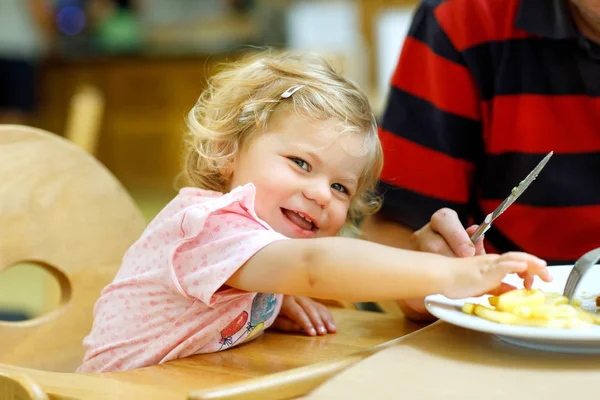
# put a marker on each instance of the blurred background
(117, 78)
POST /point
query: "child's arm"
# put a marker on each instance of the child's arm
(357, 270)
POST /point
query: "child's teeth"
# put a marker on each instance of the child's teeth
(302, 215)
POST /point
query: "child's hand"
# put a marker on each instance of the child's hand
(481, 274)
(300, 313)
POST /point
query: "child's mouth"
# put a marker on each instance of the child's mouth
(298, 219)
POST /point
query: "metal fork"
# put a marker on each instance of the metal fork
(583, 265)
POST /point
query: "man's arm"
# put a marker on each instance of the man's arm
(380, 230)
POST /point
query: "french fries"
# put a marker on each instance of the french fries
(533, 308)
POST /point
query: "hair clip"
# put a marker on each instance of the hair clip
(291, 91)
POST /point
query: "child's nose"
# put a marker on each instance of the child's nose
(319, 191)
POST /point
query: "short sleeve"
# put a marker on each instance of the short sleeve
(217, 238)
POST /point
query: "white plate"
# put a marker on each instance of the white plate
(585, 340)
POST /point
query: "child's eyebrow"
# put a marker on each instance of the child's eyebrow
(349, 181)
(315, 158)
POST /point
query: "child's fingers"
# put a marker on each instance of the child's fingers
(511, 266)
(526, 264)
(286, 325)
(544, 275)
(310, 308)
(528, 281)
(501, 289)
(297, 313)
(530, 259)
(327, 318)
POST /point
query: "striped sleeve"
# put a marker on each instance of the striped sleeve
(431, 128)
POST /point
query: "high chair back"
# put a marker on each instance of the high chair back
(61, 209)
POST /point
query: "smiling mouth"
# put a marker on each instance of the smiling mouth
(299, 219)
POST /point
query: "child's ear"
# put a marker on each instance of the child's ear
(227, 168)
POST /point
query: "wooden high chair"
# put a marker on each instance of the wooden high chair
(20, 387)
(62, 210)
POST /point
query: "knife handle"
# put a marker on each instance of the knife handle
(487, 222)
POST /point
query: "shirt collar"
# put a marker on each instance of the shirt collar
(547, 18)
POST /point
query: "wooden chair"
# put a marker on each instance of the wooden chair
(19, 387)
(291, 384)
(84, 118)
(63, 210)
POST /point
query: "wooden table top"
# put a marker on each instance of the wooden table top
(447, 362)
(273, 352)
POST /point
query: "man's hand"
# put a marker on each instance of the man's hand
(444, 234)
(300, 313)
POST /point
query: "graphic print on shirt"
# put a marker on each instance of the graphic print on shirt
(234, 327)
(263, 307)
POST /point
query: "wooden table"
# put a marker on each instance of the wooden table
(273, 352)
(444, 361)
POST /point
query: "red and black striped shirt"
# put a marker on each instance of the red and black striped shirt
(482, 91)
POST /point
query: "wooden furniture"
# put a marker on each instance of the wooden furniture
(337, 303)
(369, 11)
(15, 386)
(290, 383)
(390, 307)
(84, 118)
(439, 361)
(271, 353)
(64, 211)
(145, 100)
(445, 361)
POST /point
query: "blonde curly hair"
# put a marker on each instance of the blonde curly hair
(240, 99)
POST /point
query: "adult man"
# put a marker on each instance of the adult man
(483, 90)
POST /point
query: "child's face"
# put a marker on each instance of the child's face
(302, 167)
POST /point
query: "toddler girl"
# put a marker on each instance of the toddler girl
(283, 151)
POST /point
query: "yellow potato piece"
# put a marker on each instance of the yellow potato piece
(533, 308)
(520, 297)
(555, 298)
(468, 308)
(588, 316)
(501, 317)
(523, 311)
(548, 312)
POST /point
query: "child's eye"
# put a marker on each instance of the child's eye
(339, 188)
(301, 163)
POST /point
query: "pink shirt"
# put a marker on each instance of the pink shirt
(169, 300)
